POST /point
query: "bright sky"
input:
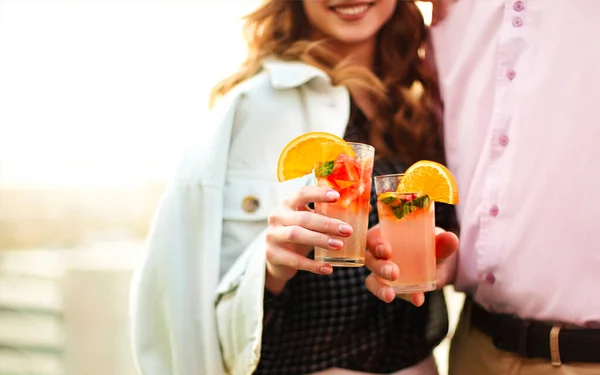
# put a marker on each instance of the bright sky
(103, 93)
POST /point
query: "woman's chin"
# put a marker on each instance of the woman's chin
(354, 35)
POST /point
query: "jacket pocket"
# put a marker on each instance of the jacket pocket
(247, 201)
(249, 195)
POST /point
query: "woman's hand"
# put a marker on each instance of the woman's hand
(294, 229)
(378, 261)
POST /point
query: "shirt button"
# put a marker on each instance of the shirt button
(517, 22)
(494, 210)
(250, 204)
(511, 74)
(503, 140)
(519, 6)
(490, 278)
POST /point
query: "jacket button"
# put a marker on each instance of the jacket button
(250, 204)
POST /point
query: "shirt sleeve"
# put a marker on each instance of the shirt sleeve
(169, 293)
(241, 304)
(173, 289)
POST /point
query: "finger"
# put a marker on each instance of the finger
(306, 208)
(315, 222)
(417, 299)
(380, 290)
(278, 256)
(378, 245)
(445, 272)
(308, 194)
(446, 244)
(298, 235)
(385, 269)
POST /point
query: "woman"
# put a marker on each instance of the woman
(351, 68)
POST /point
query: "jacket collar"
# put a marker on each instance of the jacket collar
(290, 74)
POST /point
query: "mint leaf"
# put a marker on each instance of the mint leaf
(388, 200)
(403, 210)
(398, 211)
(406, 208)
(421, 202)
(325, 169)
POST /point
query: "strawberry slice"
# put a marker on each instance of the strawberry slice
(347, 176)
(409, 197)
(324, 182)
(344, 169)
(347, 196)
(345, 184)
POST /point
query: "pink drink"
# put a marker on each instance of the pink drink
(351, 177)
(407, 221)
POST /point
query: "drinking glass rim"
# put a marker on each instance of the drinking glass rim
(390, 175)
(350, 143)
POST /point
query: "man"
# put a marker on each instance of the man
(520, 81)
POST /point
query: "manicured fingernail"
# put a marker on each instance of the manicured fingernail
(325, 269)
(381, 293)
(379, 251)
(344, 229)
(333, 195)
(335, 243)
(386, 272)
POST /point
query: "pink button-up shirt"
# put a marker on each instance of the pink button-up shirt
(521, 85)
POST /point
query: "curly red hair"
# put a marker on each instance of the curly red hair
(405, 125)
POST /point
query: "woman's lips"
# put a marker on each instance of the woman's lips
(351, 12)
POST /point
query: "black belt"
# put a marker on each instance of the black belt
(531, 339)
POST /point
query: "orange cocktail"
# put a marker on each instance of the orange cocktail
(350, 175)
(405, 205)
(407, 221)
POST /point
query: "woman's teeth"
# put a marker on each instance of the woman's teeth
(351, 11)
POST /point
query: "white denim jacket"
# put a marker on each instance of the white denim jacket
(185, 319)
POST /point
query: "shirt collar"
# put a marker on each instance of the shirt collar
(290, 74)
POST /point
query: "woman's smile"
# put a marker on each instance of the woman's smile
(351, 11)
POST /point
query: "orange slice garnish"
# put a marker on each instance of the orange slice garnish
(431, 178)
(299, 157)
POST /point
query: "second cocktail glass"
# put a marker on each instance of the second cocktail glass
(407, 221)
(349, 173)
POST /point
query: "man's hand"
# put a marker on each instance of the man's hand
(378, 261)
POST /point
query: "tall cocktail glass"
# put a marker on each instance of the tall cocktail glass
(349, 173)
(407, 221)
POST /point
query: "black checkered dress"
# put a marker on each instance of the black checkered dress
(319, 322)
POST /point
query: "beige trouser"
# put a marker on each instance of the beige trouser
(426, 367)
(472, 353)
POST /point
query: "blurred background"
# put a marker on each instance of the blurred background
(97, 98)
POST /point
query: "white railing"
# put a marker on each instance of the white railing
(31, 314)
(65, 312)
